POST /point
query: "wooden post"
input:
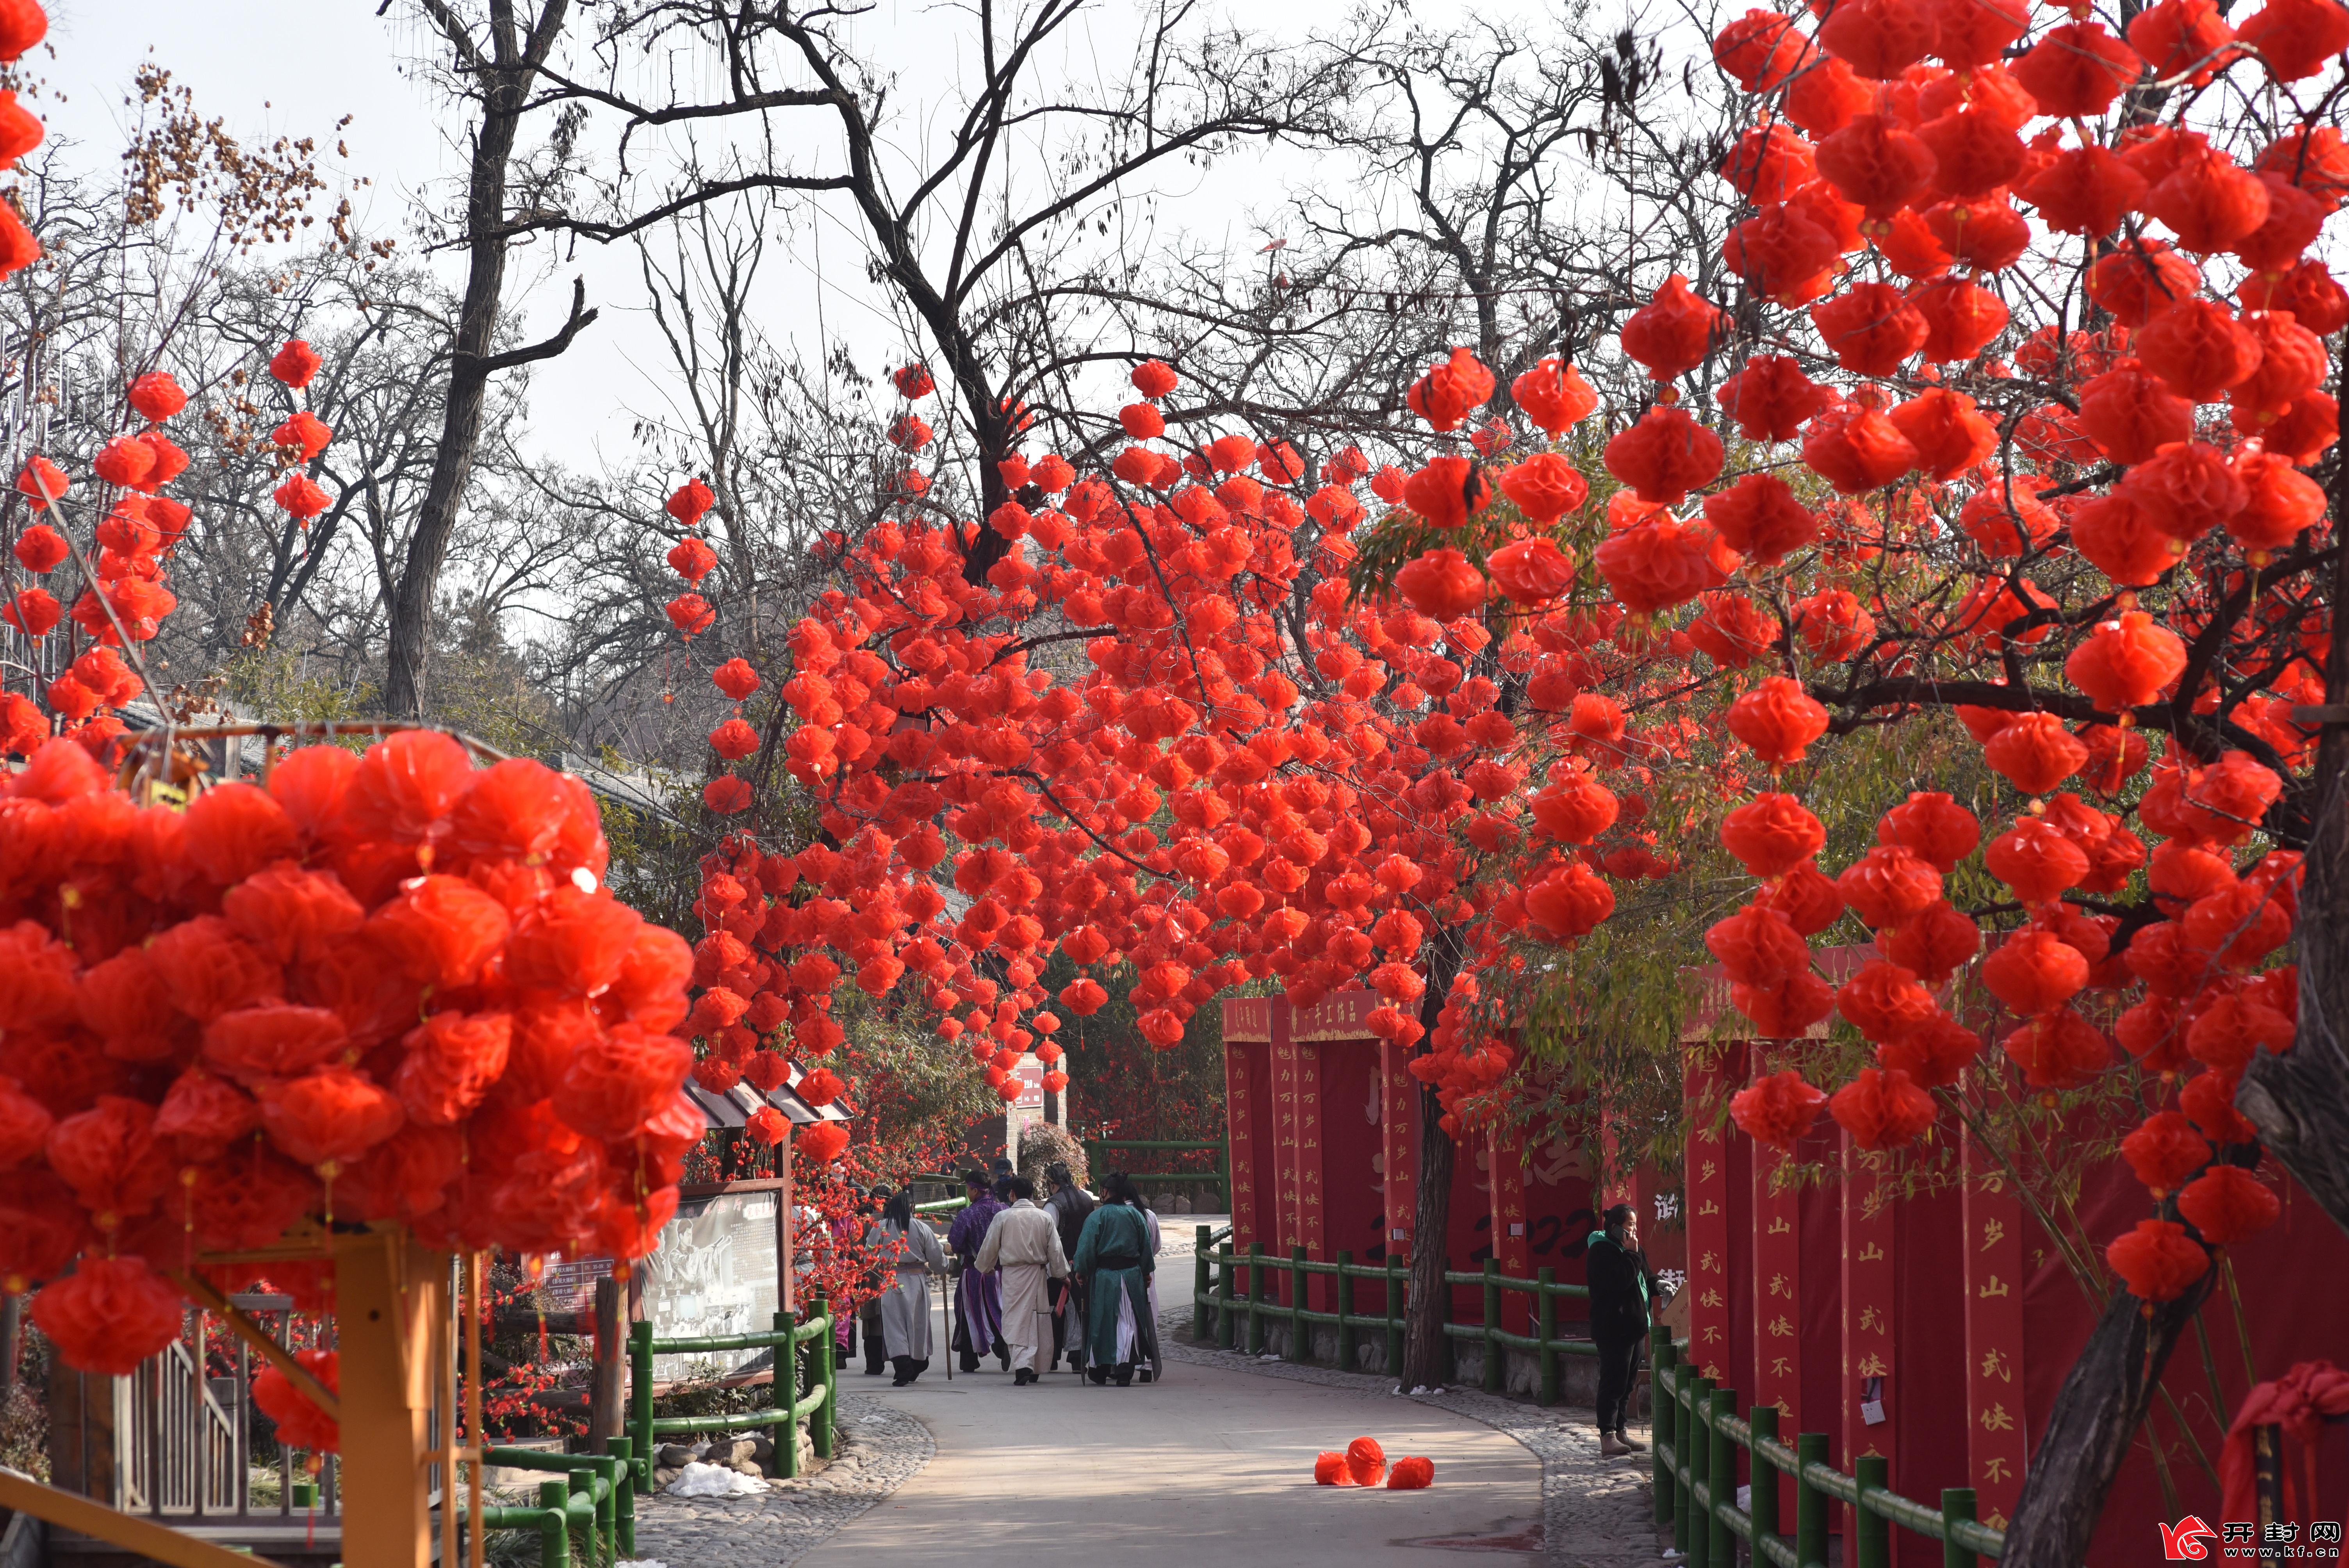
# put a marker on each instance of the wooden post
(604, 1397)
(1300, 1333)
(391, 1294)
(1346, 1357)
(1493, 1368)
(783, 1281)
(1546, 1330)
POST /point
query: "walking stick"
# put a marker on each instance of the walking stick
(946, 1310)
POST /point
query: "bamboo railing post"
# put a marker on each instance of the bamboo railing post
(1957, 1508)
(1300, 1333)
(1762, 1473)
(1200, 1252)
(1720, 1466)
(1256, 1299)
(1493, 1369)
(820, 1421)
(623, 1499)
(1345, 1295)
(1394, 1315)
(1873, 1472)
(640, 1399)
(1810, 1503)
(1225, 1268)
(1546, 1332)
(786, 1392)
(1660, 1357)
(1695, 1440)
(554, 1523)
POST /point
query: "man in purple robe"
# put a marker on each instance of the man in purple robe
(978, 1294)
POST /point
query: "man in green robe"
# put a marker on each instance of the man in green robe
(1114, 1258)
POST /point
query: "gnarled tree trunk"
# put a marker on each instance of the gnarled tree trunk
(2097, 1414)
(1425, 1364)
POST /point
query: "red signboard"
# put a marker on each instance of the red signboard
(1511, 1248)
(1285, 1088)
(1778, 1296)
(1240, 1125)
(1313, 1231)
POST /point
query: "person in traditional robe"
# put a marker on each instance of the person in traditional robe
(979, 1296)
(1025, 1244)
(1069, 1206)
(912, 1247)
(1114, 1258)
(1157, 1367)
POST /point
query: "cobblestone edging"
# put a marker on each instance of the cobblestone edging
(879, 1448)
(1596, 1513)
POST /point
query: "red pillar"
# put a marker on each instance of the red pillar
(1398, 1145)
(1247, 1022)
(1995, 1432)
(1285, 1087)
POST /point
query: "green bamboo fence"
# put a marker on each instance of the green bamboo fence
(818, 1406)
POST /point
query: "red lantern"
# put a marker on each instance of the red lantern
(1673, 332)
(1366, 1461)
(301, 1424)
(1411, 1474)
(1779, 719)
(1776, 1110)
(2157, 1261)
(1882, 1108)
(108, 1316)
(2226, 1204)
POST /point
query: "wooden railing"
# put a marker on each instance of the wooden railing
(1233, 1303)
(1699, 1435)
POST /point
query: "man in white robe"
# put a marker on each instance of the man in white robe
(1024, 1241)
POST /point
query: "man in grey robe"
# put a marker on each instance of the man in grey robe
(908, 1244)
(1025, 1244)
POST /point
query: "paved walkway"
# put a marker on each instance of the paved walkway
(1212, 1465)
(1215, 1463)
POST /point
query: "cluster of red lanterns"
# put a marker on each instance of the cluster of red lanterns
(1363, 1464)
(385, 988)
(1193, 802)
(1899, 130)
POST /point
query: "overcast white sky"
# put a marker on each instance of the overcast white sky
(293, 68)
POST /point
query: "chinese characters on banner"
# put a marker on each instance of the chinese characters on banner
(1284, 1136)
(1778, 1300)
(1310, 1232)
(1399, 1143)
(1711, 1072)
(1867, 1296)
(1247, 1022)
(1993, 1284)
(1505, 1150)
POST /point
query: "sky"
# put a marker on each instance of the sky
(295, 67)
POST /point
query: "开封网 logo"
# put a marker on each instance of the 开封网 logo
(2188, 1541)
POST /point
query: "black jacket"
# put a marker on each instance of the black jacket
(1619, 1294)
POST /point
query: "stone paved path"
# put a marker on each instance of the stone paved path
(879, 1448)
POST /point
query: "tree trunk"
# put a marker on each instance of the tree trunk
(1425, 1364)
(2097, 1413)
(2300, 1101)
(1426, 1361)
(505, 83)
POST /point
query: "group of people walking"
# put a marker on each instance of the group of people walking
(1072, 1276)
